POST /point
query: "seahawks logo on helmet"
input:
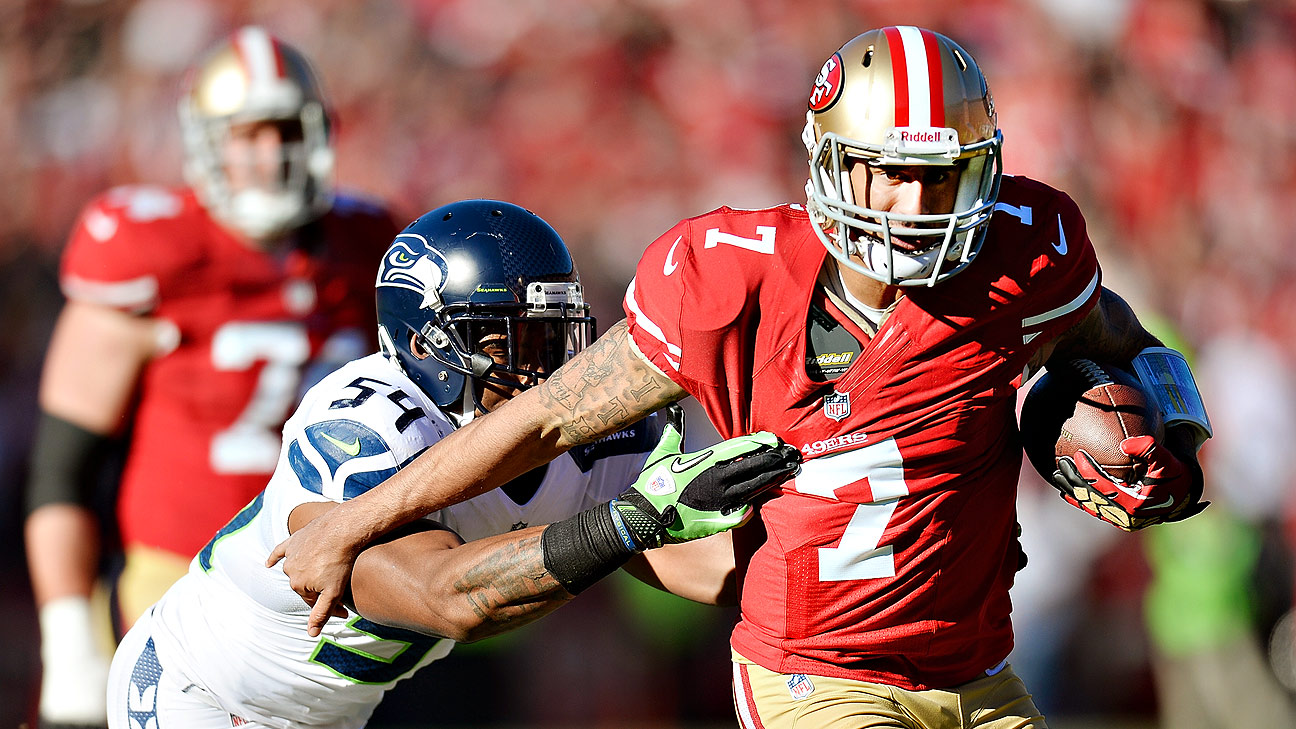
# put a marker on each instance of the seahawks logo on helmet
(415, 266)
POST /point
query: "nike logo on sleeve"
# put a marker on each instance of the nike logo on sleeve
(351, 449)
(669, 267)
(1061, 245)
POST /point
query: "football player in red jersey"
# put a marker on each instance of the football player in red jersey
(884, 329)
(195, 316)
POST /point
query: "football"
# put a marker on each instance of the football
(1090, 406)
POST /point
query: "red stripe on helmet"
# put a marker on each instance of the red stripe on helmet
(248, 43)
(935, 79)
(899, 76)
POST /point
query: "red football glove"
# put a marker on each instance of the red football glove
(1169, 489)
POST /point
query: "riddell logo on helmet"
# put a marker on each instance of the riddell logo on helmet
(922, 140)
(909, 136)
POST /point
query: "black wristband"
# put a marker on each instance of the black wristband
(65, 459)
(583, 549)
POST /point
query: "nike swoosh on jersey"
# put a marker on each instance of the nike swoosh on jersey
(680, 466)
(1061, 245)
(351, 449)
(669, 267)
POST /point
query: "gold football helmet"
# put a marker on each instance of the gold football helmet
(902, 96)
(254, 77)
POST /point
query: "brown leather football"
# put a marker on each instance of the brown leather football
(1090, 406)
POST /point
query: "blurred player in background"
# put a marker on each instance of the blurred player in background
(194, 318)
(883, 329)
(477, 300)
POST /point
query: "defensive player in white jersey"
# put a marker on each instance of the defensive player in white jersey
(476, 300)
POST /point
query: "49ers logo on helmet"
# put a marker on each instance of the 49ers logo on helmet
(828, 85)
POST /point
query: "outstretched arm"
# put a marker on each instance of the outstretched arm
(423, 577)
(598, 392)
(431, 582)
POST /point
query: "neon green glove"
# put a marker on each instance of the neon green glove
(679, 497)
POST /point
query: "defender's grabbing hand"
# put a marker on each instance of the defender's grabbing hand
(684, 496)
(678, 497)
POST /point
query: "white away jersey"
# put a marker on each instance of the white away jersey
(237, 630)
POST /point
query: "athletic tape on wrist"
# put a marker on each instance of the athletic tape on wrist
(583, 549)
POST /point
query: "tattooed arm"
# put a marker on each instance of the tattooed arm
(599, 391)
(423, 577)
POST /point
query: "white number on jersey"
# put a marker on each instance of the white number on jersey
(764, 243)
(1022, 213)
(859, 555)
(251, 443)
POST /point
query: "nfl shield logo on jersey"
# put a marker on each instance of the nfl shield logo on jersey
(837, 405)
(800, 686)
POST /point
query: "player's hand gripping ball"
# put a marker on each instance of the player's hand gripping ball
(1091, 431)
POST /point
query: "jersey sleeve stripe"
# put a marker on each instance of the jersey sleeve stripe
(1067, 308)
(135, 295)
(650, 327)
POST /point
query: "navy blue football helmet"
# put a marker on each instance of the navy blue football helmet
(473, 279)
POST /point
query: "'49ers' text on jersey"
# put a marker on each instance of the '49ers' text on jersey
(250, 328)
(890, 556)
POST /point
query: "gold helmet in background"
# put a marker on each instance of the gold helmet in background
(902, 96)
(254, 77)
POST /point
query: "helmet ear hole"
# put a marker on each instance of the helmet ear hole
(416, 346)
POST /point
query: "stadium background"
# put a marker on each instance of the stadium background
(1171, 121)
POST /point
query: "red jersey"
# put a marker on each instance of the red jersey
(251, 329)
(890, 556)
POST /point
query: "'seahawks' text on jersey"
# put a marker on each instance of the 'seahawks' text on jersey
(236, 629)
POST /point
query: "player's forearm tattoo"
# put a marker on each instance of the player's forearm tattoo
(607, 387)
(511, 584)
